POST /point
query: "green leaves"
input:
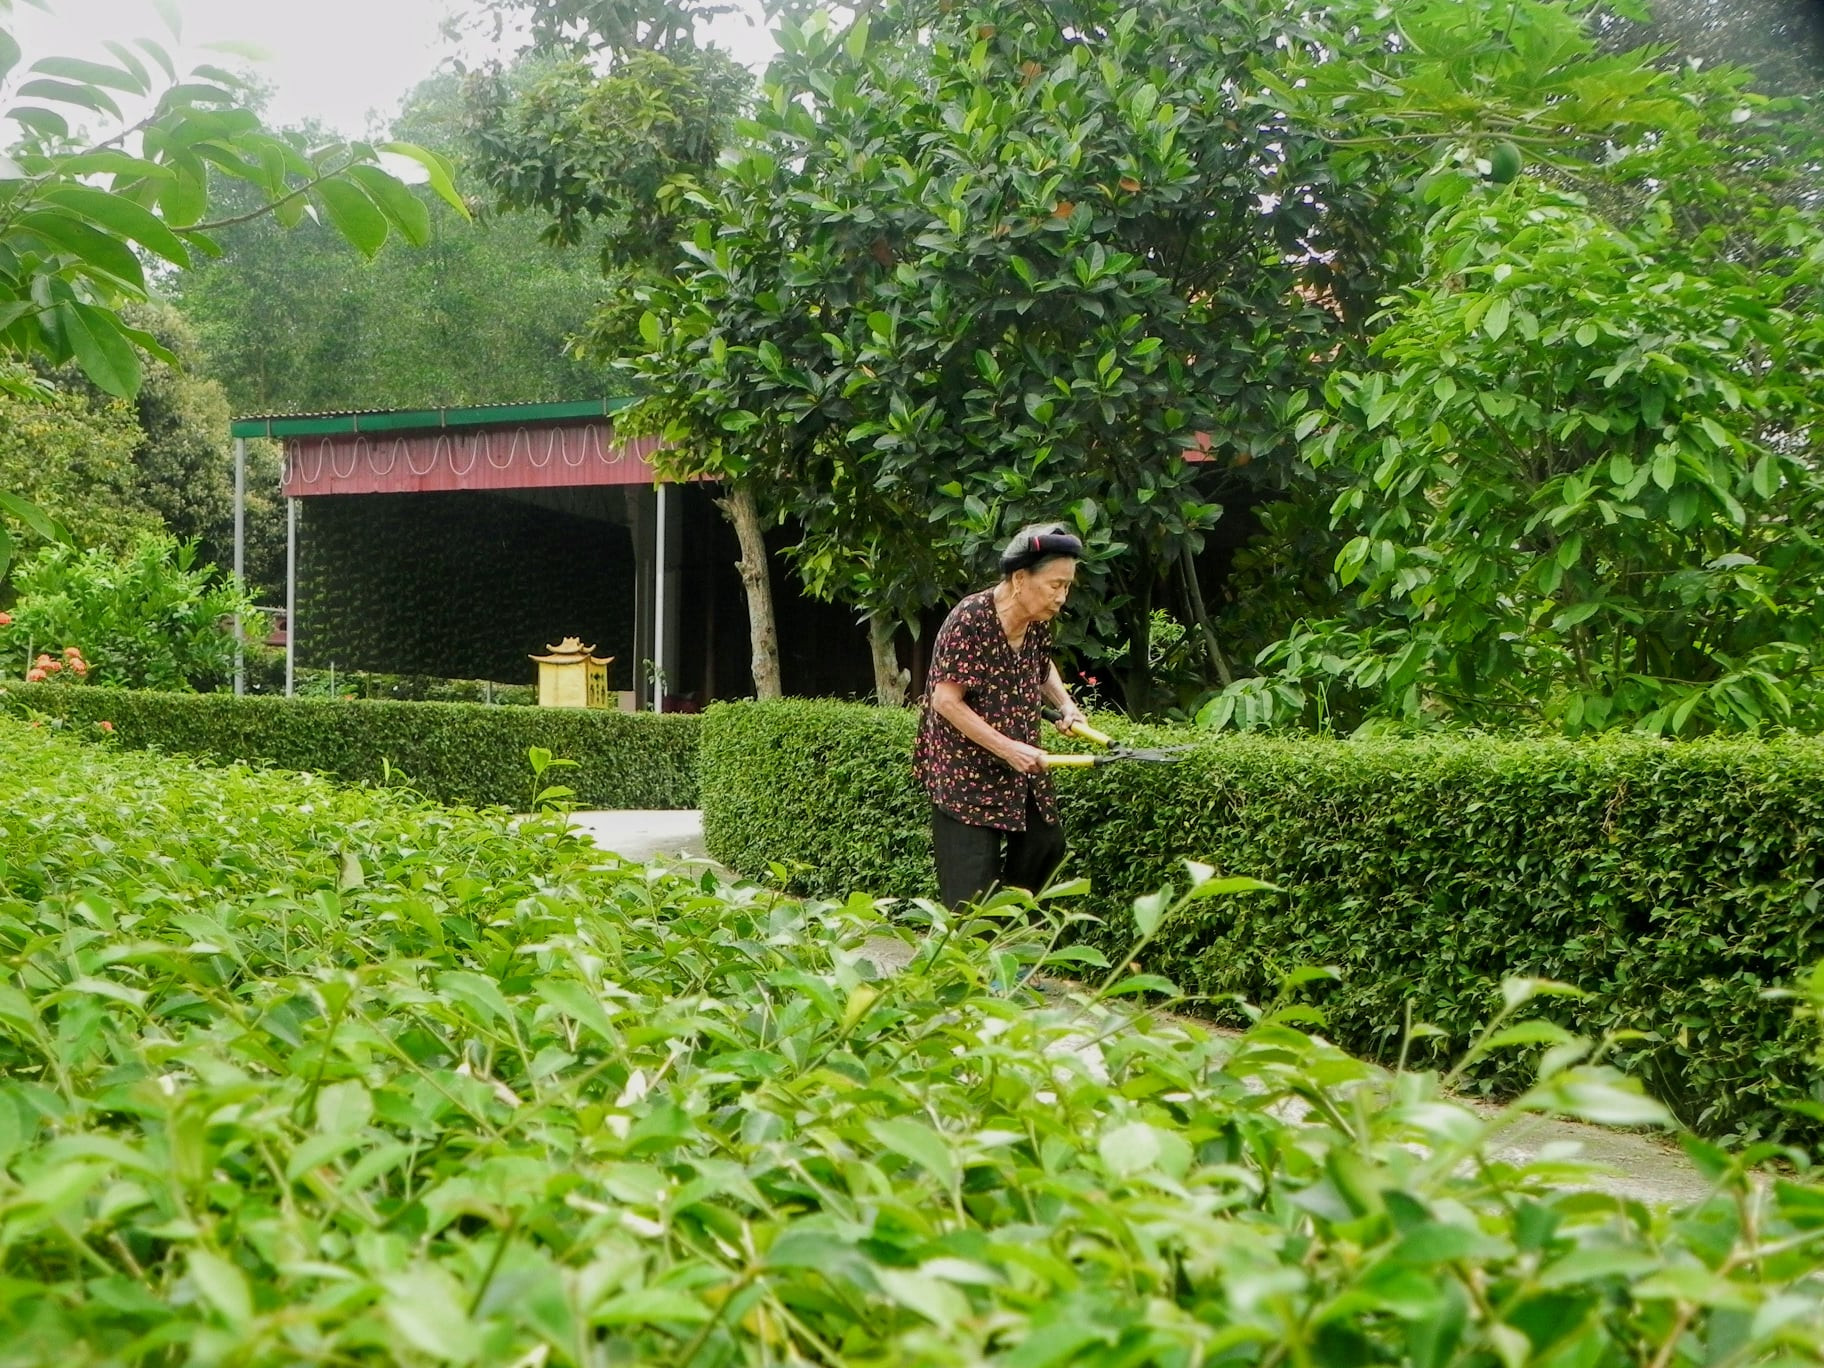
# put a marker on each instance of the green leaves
(353, 213)
(425, 1307)
(1396, 860)
(123, 217)
(99, 344)
(437, 171)
(918, 1142)
(1537, 505)
(222, 1286)
(79, 240)
(1006, 319)
(393, 1124)
(461, 753)
(404, 211)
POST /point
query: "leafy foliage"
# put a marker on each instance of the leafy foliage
(481, 312)
(1576, 482)
(81, 214)
(1675, 885)
(296, 1073)
(984, 265)
(463, 753)
(609, 155)
(615, 26)
(72, 458)
(267, 675)
(149, 616)
(823, 789)
(80, 208)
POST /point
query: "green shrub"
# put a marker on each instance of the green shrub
(1675, 885)
(150, 617)
(460, 753)
(824, 787)
(291, 1073)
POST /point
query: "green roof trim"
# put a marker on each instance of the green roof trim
(423, 420)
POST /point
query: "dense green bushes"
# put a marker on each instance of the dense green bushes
(291, 1073)
(823, 787)
(1676, 885)
(453, 752)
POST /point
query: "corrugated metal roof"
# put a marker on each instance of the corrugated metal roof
(408, 420)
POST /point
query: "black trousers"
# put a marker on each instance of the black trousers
(972, 861)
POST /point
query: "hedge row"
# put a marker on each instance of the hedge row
(266, 676)
(1674, 884)
(460, 753)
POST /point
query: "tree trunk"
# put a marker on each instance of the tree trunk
(1139, 681)
(743, 510)
(1187, 566)
(889, 680)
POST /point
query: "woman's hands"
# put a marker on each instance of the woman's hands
(1022, 757)
(948, 702)
(1069, 714)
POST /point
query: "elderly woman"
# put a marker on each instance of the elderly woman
(994, 818)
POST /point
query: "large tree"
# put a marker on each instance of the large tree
(1579, 476)
(614, 125)
(988, 263)
(72, 456)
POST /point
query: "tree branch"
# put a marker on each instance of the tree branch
(265, 209)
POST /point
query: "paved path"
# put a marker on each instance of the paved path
(646, 834)
(1647, 1167)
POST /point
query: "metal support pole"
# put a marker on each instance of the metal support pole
(291, 594)
(658, 606)
(240, 561)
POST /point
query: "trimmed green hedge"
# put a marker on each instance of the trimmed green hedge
(459, 753)
(824, 787)
(1675, 884)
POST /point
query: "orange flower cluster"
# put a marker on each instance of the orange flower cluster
(47, 665)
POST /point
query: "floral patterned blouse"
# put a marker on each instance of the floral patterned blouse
(1003, 685)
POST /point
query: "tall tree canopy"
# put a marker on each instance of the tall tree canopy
(984, 263)
(1578, 480)
(481, 312)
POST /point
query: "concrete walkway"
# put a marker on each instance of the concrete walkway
(646, 834)
(1646, 1167)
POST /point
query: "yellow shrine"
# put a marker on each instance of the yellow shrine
(572, 676)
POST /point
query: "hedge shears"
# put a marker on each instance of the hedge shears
(1160, 756)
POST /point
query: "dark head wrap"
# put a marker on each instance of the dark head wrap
(1033, 546)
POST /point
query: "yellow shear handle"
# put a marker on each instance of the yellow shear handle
(1070, 761)
(1089, 733)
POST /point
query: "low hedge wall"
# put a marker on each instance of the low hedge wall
(459, 753)
(1675, 884)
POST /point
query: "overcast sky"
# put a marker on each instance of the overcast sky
(343, 62)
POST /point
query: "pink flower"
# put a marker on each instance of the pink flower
(43, 662)
(71, 653)
(79, 665)
(106, 727)
(34, 676)
(6, 619)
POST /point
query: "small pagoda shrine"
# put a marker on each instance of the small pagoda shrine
(573, 676)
